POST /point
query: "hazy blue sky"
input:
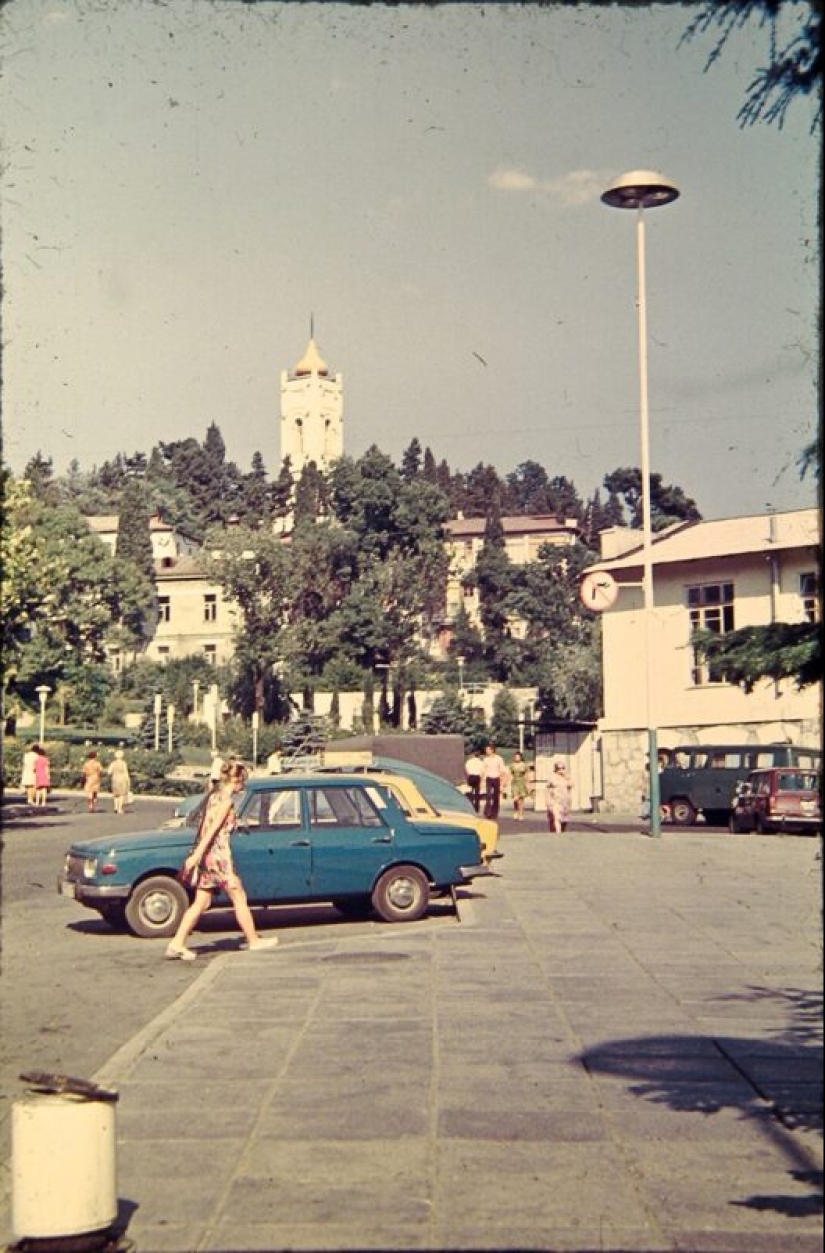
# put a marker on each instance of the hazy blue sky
(185, 183)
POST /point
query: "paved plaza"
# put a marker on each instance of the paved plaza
(616, 1047)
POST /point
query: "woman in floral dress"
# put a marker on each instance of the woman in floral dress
(211, 869)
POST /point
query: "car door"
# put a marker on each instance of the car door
(271, 846)
(353, 837)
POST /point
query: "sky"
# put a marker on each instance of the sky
(185, 186)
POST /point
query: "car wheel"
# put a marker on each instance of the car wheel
(156, 907)
(761, 827)
(682, 813)
(402, 894)
(114, 915)
(354, 906)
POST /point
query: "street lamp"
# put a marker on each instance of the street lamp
(170, 721)
(195, 688)
(640, 190)
(157, 707)
(460, 661)
(43, 695)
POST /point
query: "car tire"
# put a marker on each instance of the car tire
(761, 827)
(682, 812)
(156, 906)
(402, 894)
(354, 906)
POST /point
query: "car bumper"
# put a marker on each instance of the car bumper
(90, 893)
(473, 872)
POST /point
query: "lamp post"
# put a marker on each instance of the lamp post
(256, 720)
(640, 190)
(214, 706)
(43, 695)
(170, 722)
(195, 689)
(460, 660)
(158, 705)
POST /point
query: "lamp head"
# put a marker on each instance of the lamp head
(640, 189)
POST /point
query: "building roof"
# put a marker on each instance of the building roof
(724, 537)
(103, 523)
(518, 524)
(311, 362)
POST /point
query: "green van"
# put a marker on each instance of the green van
(702, 778)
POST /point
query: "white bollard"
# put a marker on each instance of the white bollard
(63, 1165)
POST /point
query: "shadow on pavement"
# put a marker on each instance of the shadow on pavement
(782, 1089)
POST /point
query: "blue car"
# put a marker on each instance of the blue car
(300, 838)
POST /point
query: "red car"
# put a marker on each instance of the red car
(784, 798)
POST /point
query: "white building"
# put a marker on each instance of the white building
(312, 413)
(524, 536)
(168, 544)
(719, 576)
(194, 617)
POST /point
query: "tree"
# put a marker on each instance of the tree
(668, 503)
(528, 489)
(411, 462)
(251, 566)
(778, 651)
(134, 541)
(65, 641)
(505, 717)
(25, 570)
(794, 66)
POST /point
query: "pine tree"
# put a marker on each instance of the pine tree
(134, 540)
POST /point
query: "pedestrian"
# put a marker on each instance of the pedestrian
(520, 785)
(92, 774)
(119, 780)
(42, 776)
(495, 780)
(28, 779)
(558, 797)
(211, 869)
(474, 772)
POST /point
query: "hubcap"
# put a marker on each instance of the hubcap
(158, 908)
(402, 893)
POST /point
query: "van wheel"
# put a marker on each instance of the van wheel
(682, 813)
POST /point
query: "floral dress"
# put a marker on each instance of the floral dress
(216, 870)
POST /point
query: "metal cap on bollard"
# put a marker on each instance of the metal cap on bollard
(63, 1164)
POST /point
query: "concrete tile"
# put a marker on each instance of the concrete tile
(534, 1185)
(461, 1232)
(553, 1123)
(379, 1233)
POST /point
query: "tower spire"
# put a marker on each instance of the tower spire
(312, 326)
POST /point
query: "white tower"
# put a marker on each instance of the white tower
(312, 413)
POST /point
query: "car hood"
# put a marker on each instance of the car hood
(137, 842)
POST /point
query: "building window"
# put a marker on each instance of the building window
(164, 609)
(809, 591)
(210, 607)
(711, 609)
(210, 652)
(163, 654)
(116, 660)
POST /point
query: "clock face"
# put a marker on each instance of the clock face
(598, 590)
